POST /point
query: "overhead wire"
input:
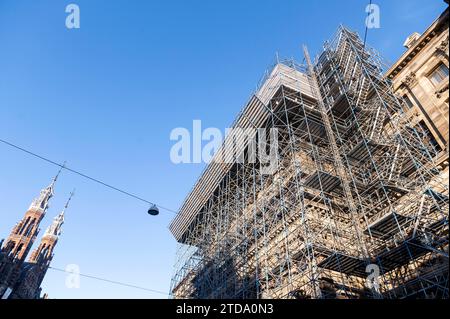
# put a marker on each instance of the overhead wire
(63, 166)
(110, 281)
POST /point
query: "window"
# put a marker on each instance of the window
(18, 250)
(24, 225)
(30, 228)
(428, 137)
(439, 74)
(408, 102)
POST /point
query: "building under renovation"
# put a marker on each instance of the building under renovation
(357, 206)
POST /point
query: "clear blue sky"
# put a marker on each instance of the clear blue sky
(105, 98)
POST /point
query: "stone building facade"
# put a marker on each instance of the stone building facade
(420, 76)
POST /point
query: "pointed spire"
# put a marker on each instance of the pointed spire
(57, 175)
(55, 228)
(41, 202)
(72, 193)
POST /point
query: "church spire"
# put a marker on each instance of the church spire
(55, 228)
(57, 175)
(41, 203)
(22, 236)
(44, 253)
(25, 278)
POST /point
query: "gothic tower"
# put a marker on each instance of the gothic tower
(44, 253)
(34, 270)
(18, 244)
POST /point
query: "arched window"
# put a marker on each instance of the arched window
(10, 247)
(18, 250)
(24, 225)
(44, 252)
(30, 228)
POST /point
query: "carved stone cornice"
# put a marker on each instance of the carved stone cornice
(443, 47)
(410, 80)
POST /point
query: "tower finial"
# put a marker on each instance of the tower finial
(59, 172)
(41, 202)
(72, 193)
(55, 228)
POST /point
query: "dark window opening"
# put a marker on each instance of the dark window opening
(439, 74)
(429, 137)
(408, 101)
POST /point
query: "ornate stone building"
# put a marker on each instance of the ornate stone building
(21, 279)
(420, 76)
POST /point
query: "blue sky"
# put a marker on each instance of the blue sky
(105, 98)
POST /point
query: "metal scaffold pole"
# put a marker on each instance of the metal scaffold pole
(355, 185)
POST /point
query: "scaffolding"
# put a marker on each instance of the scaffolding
(356, 190)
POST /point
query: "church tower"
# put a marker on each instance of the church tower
(44, 253)
(33, 271)
(23, 235)
(18, 244)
